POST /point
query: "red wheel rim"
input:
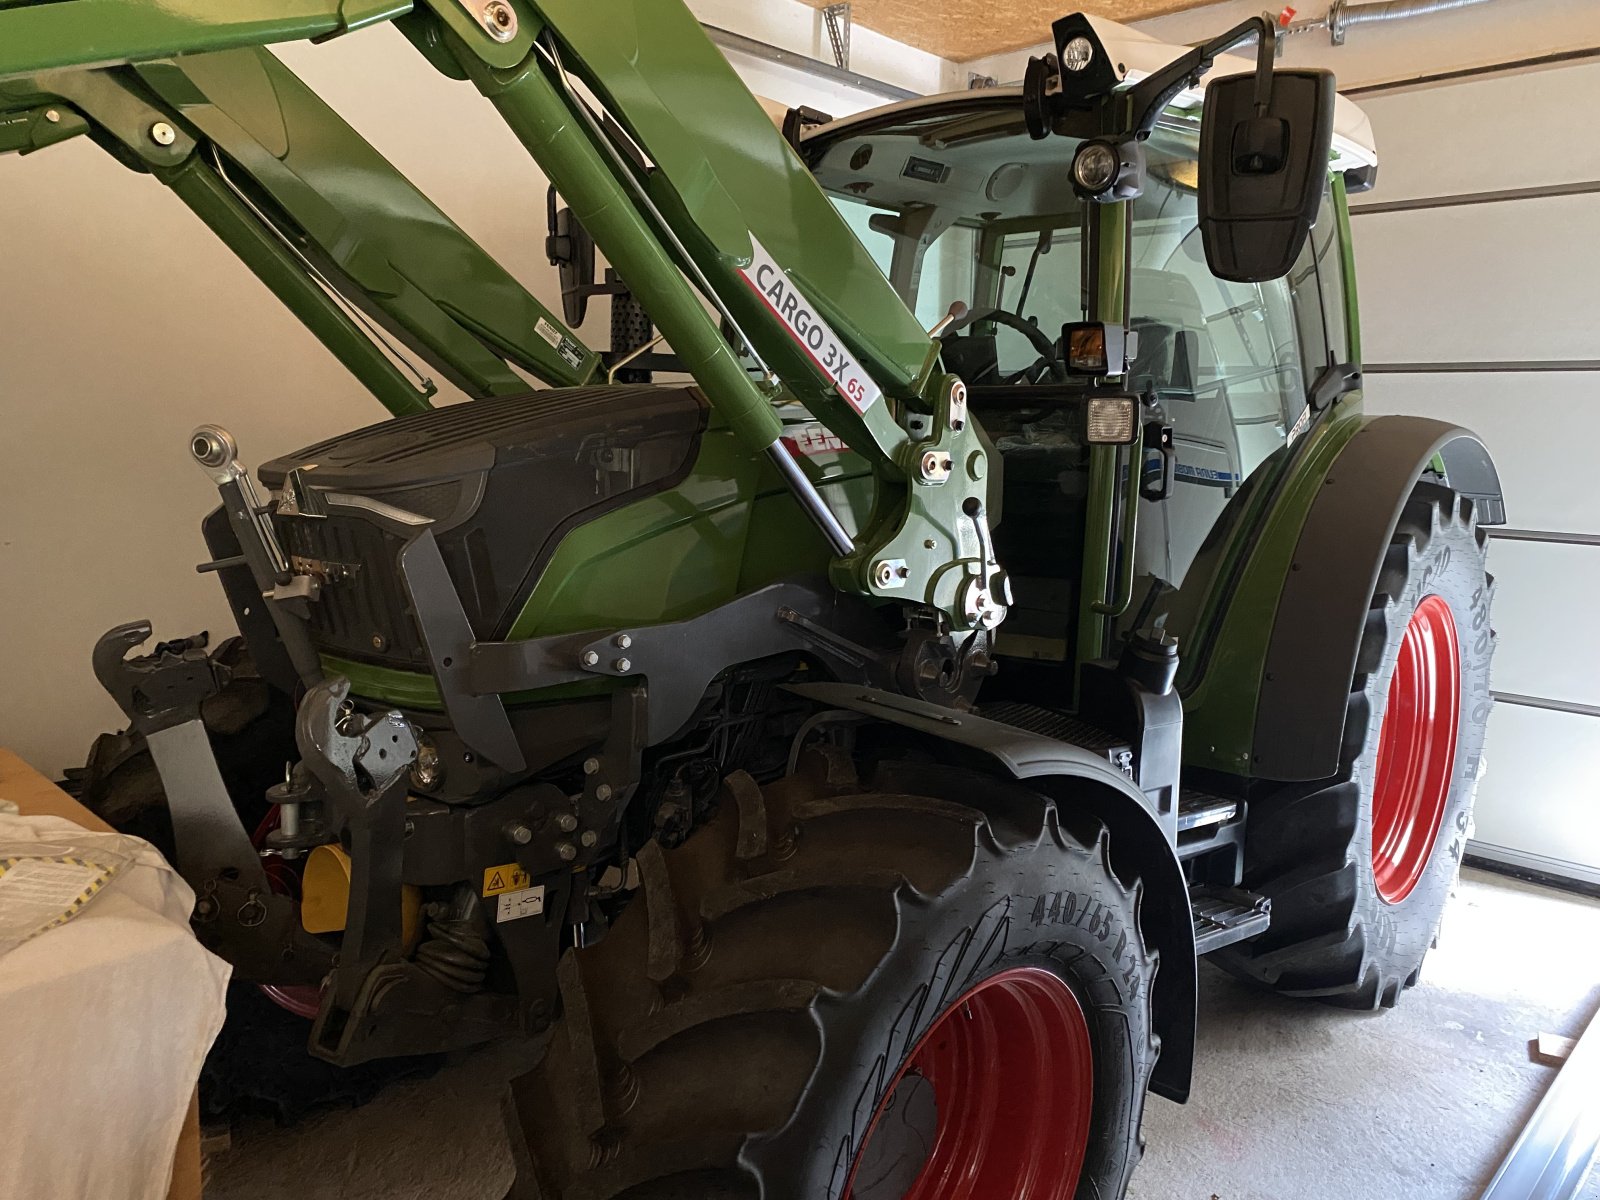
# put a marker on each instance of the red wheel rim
(1416, 750)
(1012, 1078)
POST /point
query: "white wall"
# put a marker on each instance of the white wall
(124, 323)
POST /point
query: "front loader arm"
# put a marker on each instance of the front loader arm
(699, 186)
(367, 262)
(47, 35)
(696, 199)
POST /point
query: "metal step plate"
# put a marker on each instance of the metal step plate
(1197, 808)
(1034, 719)
(1223, 916)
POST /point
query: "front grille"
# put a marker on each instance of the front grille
(362, 611)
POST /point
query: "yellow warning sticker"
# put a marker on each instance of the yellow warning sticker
(506, 878)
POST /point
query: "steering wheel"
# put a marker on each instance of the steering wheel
(1048, 354)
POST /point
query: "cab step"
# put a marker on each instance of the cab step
(1197, 809)
(1223, 916)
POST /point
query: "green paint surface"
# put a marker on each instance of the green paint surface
(1220, 708)
(728, 528)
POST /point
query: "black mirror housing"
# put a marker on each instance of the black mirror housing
(570, 250)
(1263, 170)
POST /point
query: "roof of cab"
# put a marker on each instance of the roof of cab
(1139, 55)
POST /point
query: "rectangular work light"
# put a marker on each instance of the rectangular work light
(1113, 420)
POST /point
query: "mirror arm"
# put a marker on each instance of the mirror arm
(1150, 96)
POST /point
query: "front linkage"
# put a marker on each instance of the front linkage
(412, 977)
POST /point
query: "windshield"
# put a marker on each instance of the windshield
(962, 206)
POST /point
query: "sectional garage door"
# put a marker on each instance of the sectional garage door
(1479, 265)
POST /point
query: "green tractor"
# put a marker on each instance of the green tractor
(842, 757)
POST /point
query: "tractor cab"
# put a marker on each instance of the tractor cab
(1049, 300)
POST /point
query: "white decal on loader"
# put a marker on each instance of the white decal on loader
(813, 334)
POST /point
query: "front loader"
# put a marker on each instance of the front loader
(841, 755)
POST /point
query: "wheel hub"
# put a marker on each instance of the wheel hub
(1416, 750)
(993, 1103)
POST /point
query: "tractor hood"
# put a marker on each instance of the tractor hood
(498, 483)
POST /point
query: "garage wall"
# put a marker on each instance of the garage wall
(1479, 279)
(124, 323)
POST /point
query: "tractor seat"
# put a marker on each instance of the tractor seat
(1175, 356)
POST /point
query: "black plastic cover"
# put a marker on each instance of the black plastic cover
(502, 480)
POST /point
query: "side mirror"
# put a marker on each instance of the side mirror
(570, 250)
(1263, 165)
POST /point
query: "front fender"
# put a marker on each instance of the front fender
(1139, 844)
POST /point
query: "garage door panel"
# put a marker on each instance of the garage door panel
(1542, 605)
(1515, 413)
(1443, 141)
(1503, 282)
(1541, 791)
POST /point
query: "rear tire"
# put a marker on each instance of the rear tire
(738, 1030)
(1359, 867)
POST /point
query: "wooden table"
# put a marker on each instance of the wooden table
(37, 796)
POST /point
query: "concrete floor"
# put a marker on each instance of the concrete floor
(1291, 1099)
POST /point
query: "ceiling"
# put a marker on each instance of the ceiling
(965, 29)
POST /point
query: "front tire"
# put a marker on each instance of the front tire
(1359, 867)
(839, 992)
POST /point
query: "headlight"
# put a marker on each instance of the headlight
(1076, 54)
(1096, 167)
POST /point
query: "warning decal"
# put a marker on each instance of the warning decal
(570, 349)
(525, 902)
(507, 878)
(768, 280)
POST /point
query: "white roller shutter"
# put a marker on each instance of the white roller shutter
(1479, 271)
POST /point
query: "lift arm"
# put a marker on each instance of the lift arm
(649, 135)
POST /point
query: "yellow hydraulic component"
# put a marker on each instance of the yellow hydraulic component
(325, 896)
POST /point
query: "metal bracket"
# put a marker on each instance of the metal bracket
(836, 17)
(159, 690)
(479, 717)
(236, 913)
(358, 758)
(672, 657)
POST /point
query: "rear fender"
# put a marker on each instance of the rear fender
(1139, 844)
(1311, 656)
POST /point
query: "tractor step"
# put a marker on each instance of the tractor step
(1033, 718)
(1197, 809)
(1223, 916)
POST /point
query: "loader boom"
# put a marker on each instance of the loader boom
(648, 134)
